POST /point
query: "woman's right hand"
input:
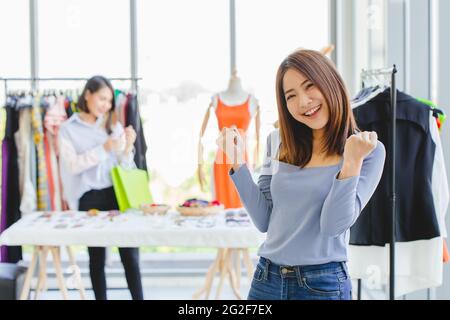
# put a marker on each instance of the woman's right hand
(232, 144)
(112, 144)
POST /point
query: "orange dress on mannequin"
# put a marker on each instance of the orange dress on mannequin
(228, 116)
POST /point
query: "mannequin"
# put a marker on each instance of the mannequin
(232, 103)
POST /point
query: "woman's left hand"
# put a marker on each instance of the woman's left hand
(359, 146)
(130, 138)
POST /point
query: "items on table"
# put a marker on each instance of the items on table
(237, 218)
(199, 207)
(155, 208)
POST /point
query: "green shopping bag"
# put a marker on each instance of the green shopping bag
(131, 187)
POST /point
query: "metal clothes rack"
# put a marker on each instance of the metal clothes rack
(391, 166)
(134, 80)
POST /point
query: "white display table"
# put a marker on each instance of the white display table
(48, 231)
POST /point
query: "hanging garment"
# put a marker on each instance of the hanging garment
(121, 102)
(419, 264)
(437, 113)
(26, 151)
(54, 117)
(2, 135)
(11, 189)
(55, 114)
(3, 225)
(133, 118)
(416, 213)
(43, 194)
(446, 253)
(53, 164)
(227, 116)
(439, 183)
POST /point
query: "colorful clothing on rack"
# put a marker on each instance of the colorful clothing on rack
(437, 113)
(26, 158)
(38, 136)
(2, 135)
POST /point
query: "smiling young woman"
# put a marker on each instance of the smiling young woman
(312, 187)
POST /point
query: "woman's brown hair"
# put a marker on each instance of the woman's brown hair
(93, 85)
(296, 137)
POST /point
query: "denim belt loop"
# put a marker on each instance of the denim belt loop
(266, 269)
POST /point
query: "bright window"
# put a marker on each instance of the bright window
(267, 32)
(15, 48)
(82, 38)
(183, 59)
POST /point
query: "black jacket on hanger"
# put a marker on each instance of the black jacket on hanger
(14, 253)
(133, 118)
(416, 216)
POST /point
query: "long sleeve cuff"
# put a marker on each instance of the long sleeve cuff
(345, 185)
(241, 177)
(127, 161)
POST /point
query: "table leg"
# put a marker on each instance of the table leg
(77, 273)
(225, 265)
(29, 275)
(232, 275)
(223, 270)
(238, 267)
(41, 284)
(209, 277)
(59, 274)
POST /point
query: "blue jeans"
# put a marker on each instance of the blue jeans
(329, 281)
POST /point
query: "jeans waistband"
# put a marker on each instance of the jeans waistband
(271, 267)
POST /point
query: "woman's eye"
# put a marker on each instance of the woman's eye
(310, 85)
(289, 97)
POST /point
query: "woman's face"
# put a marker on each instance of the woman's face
(304, 100)
(99, 102)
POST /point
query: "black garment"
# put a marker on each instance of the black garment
(14, 253)
(133, 118)
(416, 215)
(105, 200)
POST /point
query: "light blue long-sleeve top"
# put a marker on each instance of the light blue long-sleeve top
(307, 213)
(84, 163)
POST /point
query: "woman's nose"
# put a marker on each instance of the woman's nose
(305, 102)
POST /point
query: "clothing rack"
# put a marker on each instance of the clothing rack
(34, 80)
(134, 80)
(391, 167)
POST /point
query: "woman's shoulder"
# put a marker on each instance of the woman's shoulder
(69, 124)
(273, 143)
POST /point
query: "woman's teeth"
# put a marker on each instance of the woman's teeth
(312, 111)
